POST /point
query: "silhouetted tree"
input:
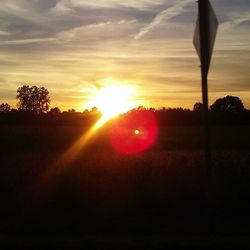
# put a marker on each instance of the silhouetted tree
(33, 99)
(163, 109)
(71, 110)
(55, 111)
(85, 111)
(95, 110)
(198, 106)
(231, 104)
(5, 108)
(152, 109)
(141, 108)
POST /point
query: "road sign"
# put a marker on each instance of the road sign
(204, 38)
(205, 33)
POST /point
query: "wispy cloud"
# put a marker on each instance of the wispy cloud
(165, 15)
(74, 46)
(4, 33)
(234, 22)
(141, 4)
(98, 32)
(26, 41)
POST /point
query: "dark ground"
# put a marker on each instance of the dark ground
(104, 199)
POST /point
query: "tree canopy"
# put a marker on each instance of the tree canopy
(33, 99)
(231, 104)
(55, 111)
(198, 106)
(5, 108)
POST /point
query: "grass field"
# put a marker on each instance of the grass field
(162, 191)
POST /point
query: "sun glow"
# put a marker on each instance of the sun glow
(113, 100)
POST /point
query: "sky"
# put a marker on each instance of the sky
(75, 47)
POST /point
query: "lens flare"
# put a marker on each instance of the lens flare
(134, 132)
(137, 132)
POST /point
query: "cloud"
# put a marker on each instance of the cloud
(98, 33)
(26, 41)
(114, 4)
(165, 15)
(235, 23)
(4, 33)
(76, 45)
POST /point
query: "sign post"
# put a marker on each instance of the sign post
(204, 38)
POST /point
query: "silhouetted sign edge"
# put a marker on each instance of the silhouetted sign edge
(212, 29)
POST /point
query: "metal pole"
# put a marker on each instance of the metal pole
(205, 61)
(204, 48)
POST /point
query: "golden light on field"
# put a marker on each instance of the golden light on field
(113, 100)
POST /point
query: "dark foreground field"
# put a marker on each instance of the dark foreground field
(105, 199)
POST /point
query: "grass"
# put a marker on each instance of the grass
(162, 191)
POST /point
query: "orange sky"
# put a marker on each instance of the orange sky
(73, 48)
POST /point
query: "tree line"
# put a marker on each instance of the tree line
(36, 99)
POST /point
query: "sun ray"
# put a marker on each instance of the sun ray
(111, 101)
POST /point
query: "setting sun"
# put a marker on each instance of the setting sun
(113, 100)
